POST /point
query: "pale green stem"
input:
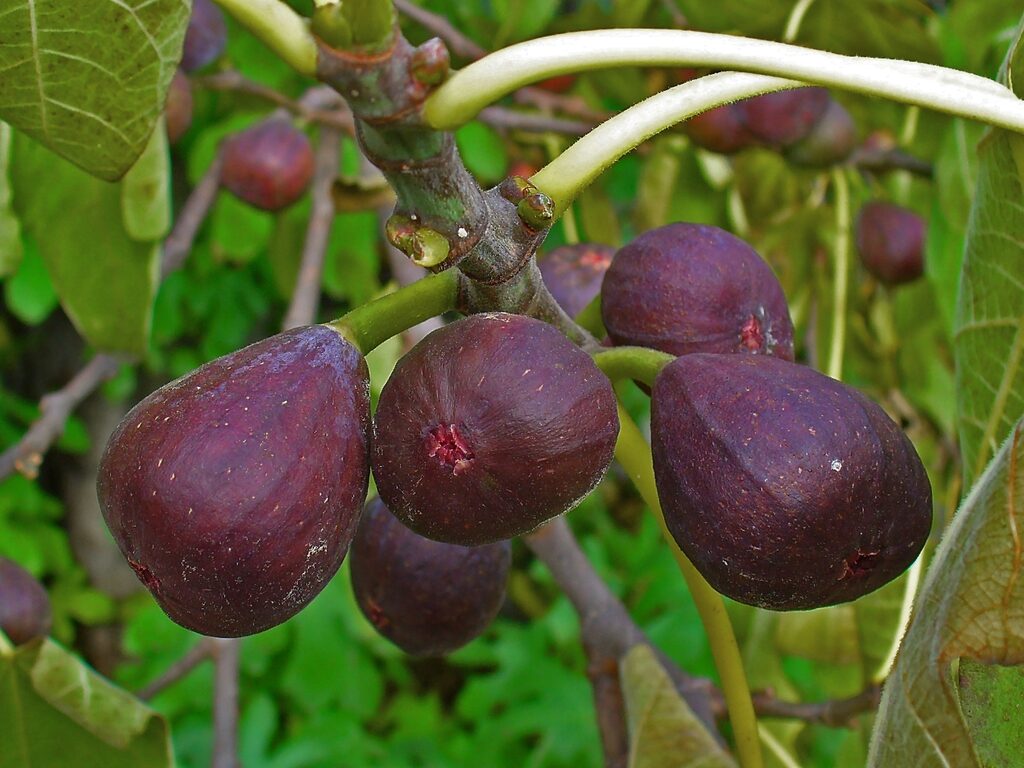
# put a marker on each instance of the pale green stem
(841, 276)
(280, 28)
(939, 88)
(638, 363)
(796, 18)
(373, 323)
(554, 148)
(568, 174)
(633, 453)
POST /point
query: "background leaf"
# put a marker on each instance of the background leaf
(88, 79)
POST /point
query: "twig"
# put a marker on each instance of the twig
(459, 44)
(26, 456)
(605, 625)
(330, 111)
(226, 655)
(610, 707)
(196, 655)
(882, 160)
(835, 714)
(509, 119)
(306, 297)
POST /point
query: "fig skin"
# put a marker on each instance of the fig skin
(24, 605)
(720, 130)
(489, 427)
(788, 490)
(234, 492)
(890, 241)
(427, 597)
(783, 118)
(573, 274)
(205, 37)
(178, 109)
(269, 166)
(685, 288)
(831, 140)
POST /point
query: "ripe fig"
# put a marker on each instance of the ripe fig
(205, 36)
(890, 240)
(720, 130)
(178, 109)
(269, 165)
(783, 118)
(427, 597)
(830, 141)
(489, 427)
(787, 489)
(573, 273)
(24, 605)
(234, 491)
(686, 288)
(558, 83)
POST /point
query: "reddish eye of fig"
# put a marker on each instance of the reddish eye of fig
(751, 336)
(489, 427)
(234, 492)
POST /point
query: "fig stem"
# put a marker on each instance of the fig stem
(590, 320)
(280, 28)
(841, 278)
(637, 363)
(373, 323)
(634, 454)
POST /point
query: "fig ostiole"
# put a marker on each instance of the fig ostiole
(25, 612)
(489, 427)
(786, 489)
(234, 491)
(427, 597)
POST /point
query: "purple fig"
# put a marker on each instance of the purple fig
(686, 288)
(234, 491)
(269, 166)
(783, 118)
(24, 605)
(178, 110)
(573, 274)
(721, 130)
(205, 37)
(830, 141)
(427, 597)
(890, 240)
(489, 427)
(786, 489)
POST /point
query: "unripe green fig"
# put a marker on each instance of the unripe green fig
(489, 427)
(24, 605)
(787, 489)
(427, 597)
(234, 491)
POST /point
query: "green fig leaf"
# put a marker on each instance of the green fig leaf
(146, 191)
(989, 325)
(10, 228)
(970, 609)
(52, 706)
(663, 730)
(88, 78)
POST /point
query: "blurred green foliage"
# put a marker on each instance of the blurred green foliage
(324, 689)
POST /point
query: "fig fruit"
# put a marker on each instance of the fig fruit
(234, 491)
(890, 241)
(269, 166)
(489, 427)
(721, 130)
(782, 118)
(573, 274)
(830, 141)
(685, 288)
(205, 36)
(24, 605)
(178, 109)
(787, 489)
(427, 597)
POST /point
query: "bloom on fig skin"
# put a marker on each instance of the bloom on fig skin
(234, 491)
(573, 273)
(24, 605)
(787, 489)
(205, 36)
(686, 288)
(427, 597)
(489, 427)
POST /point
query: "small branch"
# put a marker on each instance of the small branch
(226, 655)
(26, 456)
(306, 297)
(835, 714)
(509, 119)
(882, 160)
(333, 113)
(459, 44)
(196, 655)
(610, 708)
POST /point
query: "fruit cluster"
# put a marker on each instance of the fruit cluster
(236, 491)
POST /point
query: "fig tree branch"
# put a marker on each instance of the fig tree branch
(440, 26)
(195, 656)
(226, 655)
(835, 714)
(55, 408)
(306, 296)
